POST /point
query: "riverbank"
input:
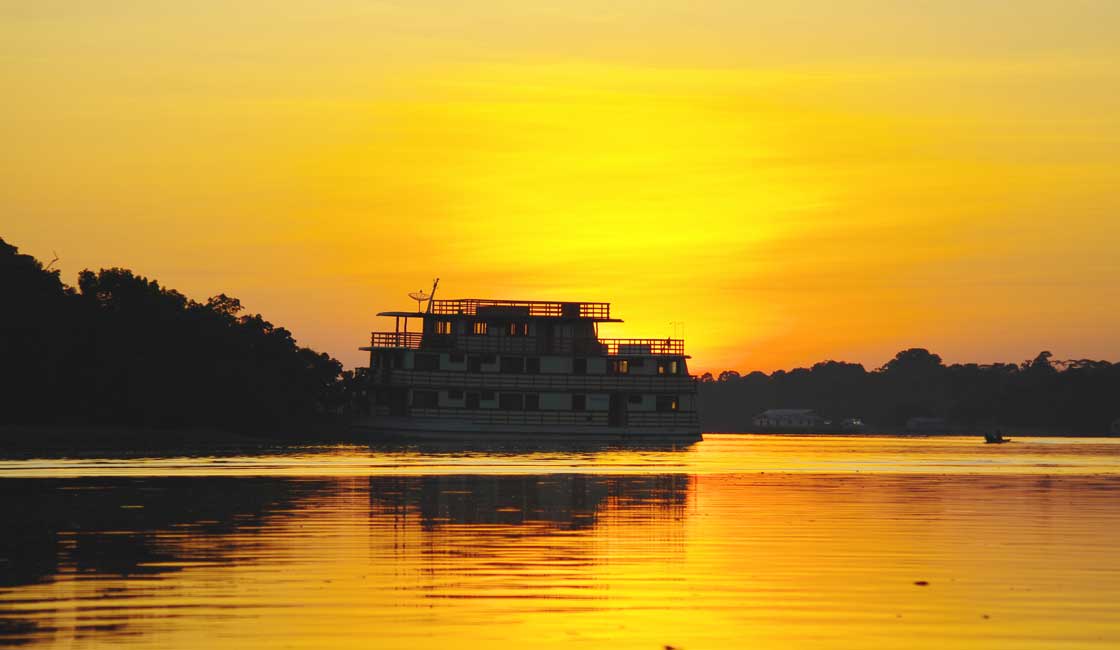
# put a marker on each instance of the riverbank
(22, 440)
(28, 438)
(1007, 432)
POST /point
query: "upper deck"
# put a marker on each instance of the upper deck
(516, 327)
(521, 345)
(588, 311)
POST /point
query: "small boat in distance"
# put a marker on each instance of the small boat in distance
(995, 438)
(480, 368)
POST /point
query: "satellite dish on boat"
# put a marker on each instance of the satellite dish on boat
(419, 297)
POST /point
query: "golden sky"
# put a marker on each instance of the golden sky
(793, 181)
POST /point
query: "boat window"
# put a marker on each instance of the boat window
(515, 365)
(668, 367)
(511, 401)
(487, 396)
(479, 327)
(455, 394)
(472, 400)
(579, 402)
(425, 361)
(425, 399)
(533, 365)
(620, 366)
(667, 403)
(518, 329)
(579, 366)
(443, 327)
(532, 401)
(636, 398)
(457, 357)
(638, 363)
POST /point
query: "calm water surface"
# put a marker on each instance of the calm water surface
(737, 541)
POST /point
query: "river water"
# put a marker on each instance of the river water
(736, 541)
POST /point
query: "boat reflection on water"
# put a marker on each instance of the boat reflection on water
(561, 501)
(79, 553)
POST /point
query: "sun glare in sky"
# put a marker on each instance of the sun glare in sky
(792, 181)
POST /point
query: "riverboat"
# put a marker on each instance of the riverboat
(480, 368)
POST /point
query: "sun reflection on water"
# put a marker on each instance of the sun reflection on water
(733, 542)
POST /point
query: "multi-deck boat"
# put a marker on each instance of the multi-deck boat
(498, 368)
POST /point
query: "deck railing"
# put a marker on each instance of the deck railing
(640, 347)
(409, 340)
(632, 383)
(598, 418)
(471, 306)
(529, 345)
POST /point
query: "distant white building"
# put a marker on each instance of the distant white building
(787, 420)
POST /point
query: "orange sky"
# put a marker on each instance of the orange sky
(793, 183)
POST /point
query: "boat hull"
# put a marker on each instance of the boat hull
(455, 429)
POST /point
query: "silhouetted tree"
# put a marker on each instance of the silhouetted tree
(124, 350)
(36, 334)
(1079, 396)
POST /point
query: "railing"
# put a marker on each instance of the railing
(499, 416)
(544, 382)
(409, 340)
(661, 418)
(523, 345)
(640, 347)
(471, 307)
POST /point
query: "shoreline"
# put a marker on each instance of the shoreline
(28, 437)
(912, 434)
(31, 438)
(1007, 430)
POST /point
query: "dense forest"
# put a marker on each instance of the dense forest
(1081, 396)
(119, 349)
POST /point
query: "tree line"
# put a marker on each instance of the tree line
(1077, 396)
(119, 349)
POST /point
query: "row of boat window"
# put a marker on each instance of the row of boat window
(532, 365)
(523, 401)
(482, 328)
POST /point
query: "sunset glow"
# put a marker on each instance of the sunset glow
(793, 184)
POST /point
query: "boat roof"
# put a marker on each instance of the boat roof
(474, 307)
(422, 314)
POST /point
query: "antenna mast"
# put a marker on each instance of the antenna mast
(432, 295)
